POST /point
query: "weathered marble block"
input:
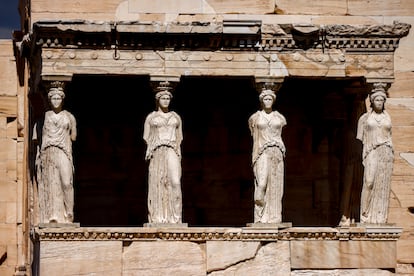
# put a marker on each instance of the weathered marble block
(66, 258)
(248, 258)
(343, 254)
(163, 258)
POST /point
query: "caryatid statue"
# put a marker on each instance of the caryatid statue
(374, 130)
(54, 135)
(163, 136)
(267, 159)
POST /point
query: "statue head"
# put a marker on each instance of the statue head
(266, 93)
(378, 91)
(159, 94)
(162, 90)
(56, 88)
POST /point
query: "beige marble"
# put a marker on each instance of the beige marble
(8, 69)
(8, 106)
(342, 272)
(80, 258)
(163, 258)
(221, 255)
(339, 254)
(270, 259)
(321, 7)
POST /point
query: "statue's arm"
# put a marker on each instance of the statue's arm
(179, 130)
(147, 128)
(252, 122)
(74, 131)
(361, 125)
(282, 119)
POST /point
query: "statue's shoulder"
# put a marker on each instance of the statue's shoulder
(363, 118)
(175, 114)
(67, 113)
(150, 115)
(254, 116)
(278, 114)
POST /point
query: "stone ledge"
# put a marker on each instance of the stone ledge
(200, 234)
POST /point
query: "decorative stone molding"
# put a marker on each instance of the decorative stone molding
(229, 47)
(216, 234)
(398, 30)
(217, 35)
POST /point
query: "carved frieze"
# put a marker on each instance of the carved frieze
(397, 30)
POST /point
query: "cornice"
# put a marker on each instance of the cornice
(212, 36)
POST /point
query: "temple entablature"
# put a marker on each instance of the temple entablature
(222, 48)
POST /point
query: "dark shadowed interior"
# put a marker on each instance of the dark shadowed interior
(322, 165)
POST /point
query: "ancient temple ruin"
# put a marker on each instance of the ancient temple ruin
(216, 57)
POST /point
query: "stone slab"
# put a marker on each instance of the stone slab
(8, 106)
(201, 6)
(380, 7)
(270, 259)
(222, 254)
(80, 258)
(8, 76)
(321, 7)
(163, 258)
(405, 251)
(342, 272)
(343, 254)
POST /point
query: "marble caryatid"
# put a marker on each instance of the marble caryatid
(163, 136)
(374, 130)
(267, 160)
(54, 135)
